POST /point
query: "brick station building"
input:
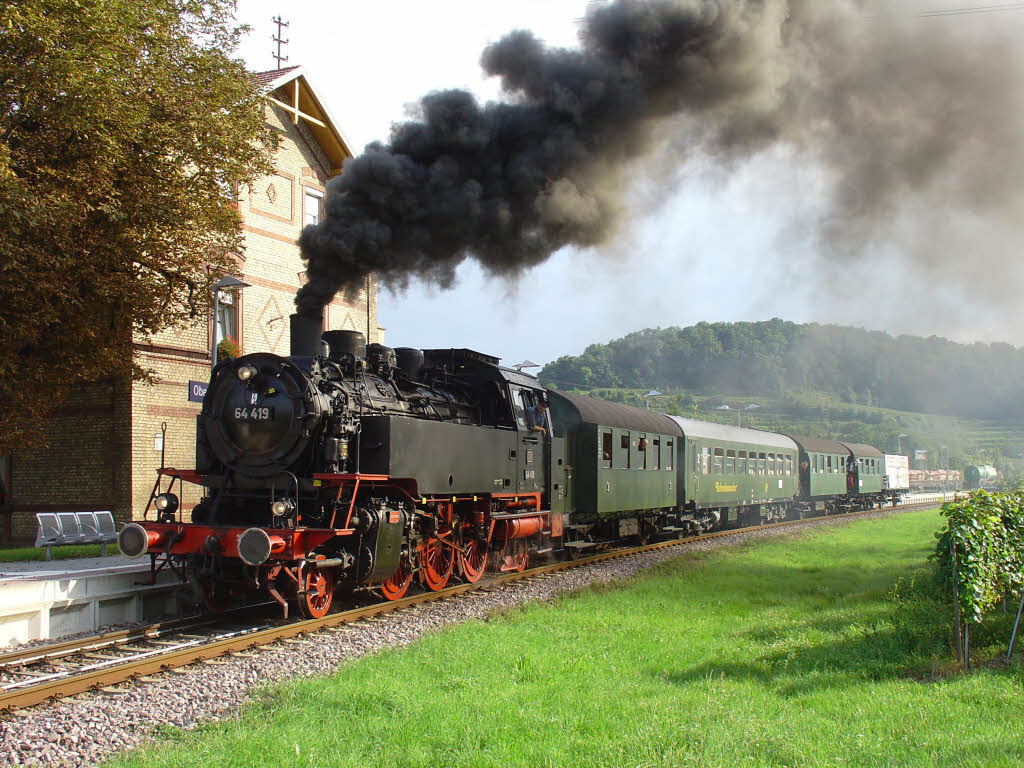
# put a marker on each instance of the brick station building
(105, 441)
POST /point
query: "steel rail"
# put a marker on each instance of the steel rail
(42, 653)
(117, 671)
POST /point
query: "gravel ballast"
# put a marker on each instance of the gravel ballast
(92, 727)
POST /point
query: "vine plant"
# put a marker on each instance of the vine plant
(980, 554)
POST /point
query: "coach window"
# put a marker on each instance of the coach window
(706, 460)
(771, 464)
(606, 450)
(730, 462)
(313, 203)
(760, 463)
(668, 454)
(655, 451)
(789, 464)
(622, 461)
(741, 463)
(719, 456)
(641, 448)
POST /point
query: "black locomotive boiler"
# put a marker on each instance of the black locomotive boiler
(363, 466)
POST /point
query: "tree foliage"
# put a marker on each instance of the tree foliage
(927, 375)
(125, 128)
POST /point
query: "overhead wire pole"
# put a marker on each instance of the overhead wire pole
(277, 39)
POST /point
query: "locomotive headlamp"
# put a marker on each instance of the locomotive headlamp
(246, 372)
(166, 503)
(283, 508)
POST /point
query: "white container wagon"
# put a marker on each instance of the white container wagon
(896, 481)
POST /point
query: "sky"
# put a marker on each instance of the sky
(717, 243)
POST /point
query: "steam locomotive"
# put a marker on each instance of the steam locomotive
(361, 466)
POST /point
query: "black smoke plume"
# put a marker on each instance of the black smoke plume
(914, 121)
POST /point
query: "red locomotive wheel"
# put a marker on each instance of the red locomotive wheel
(473, 559)
(438, 564)
(396, 586)
(319, 588)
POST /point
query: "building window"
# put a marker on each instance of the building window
(313, 204)
(5, 480)
(227, 316)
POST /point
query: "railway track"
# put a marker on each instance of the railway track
(54, 671)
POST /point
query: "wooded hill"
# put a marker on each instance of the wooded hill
(776, 358)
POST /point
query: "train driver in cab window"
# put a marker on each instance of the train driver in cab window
(536, 417)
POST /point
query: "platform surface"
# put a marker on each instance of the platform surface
(71, 568)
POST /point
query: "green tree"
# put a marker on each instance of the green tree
(126, 128)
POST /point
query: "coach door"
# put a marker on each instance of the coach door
(531, 458)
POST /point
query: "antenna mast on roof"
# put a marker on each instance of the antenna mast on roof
(277, 39)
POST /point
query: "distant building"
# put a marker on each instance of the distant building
(105, 441)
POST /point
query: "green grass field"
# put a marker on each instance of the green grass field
(815, 650)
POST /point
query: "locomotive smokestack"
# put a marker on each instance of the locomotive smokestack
(305, 335)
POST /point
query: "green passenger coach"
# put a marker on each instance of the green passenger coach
(619, 459)
(735, 472)
(867, 469)
(823, 483)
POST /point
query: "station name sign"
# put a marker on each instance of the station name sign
(197, 391)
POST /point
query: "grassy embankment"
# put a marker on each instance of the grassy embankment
(816, 650)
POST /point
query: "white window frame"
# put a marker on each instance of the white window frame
(312, 193)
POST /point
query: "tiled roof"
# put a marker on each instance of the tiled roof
(264, 79)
